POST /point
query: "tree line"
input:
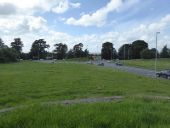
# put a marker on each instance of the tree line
(136, 50)
(39, 50)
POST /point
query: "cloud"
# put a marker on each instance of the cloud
(20, 21)
(61, 6)
(32, 6)
(97, 18)
(7, 9)
(75, 5)
(143, 31)
(94, 41)
(22, 24)
(18, 16)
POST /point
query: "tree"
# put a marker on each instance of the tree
(115, 54)
(78, 52)
(86, 53)
(60, 50)
(165, 52)
(17, 45)
(70, 54)
(1, 43)
(137, 47)
(125, 51)
(107, 51)
(38, 49)
(8, 55)
(25, 56)
(148, 54)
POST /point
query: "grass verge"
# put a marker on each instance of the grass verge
(162, 64)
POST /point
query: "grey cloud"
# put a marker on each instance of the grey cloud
(7, 9)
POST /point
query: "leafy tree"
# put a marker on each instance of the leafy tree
(60, 50)
(17, 45)
(1, 43)
(78, 52)
(154, 51)
(137, 47)
(25, 56)
(115, 54)
(165, 52)
(148, 54)
(107, 51)
(86, 53)
(8, 55)
(125, 51)
(70, 54)
(38, 49)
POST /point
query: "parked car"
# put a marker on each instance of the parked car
(164, 74)
(118, 63)
(101, 64)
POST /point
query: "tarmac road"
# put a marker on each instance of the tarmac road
(139, 71)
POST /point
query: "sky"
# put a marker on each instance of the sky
(91, 22)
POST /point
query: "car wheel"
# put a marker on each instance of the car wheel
(168, 77)
(157, 75)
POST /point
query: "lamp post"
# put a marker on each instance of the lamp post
(156, 53)
(111, 54)
(124, 54)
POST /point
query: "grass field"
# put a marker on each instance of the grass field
(162, 64)
(32, 82)
(82, 59)
(127, 114)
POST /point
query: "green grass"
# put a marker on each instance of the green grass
(30, 83)
(162, 64)
(82, 59)
(126, 114)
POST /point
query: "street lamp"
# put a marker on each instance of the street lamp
(156, 53)
(124, 54)
(111, 54)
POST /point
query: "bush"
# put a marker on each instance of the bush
(8, 55)
(147, 54)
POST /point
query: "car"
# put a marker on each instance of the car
(164, 74)
(118, 63)
(101, 64)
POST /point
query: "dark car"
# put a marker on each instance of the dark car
(101, 64)
(118, 63)
(164, 74)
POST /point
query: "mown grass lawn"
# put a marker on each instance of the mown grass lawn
(162, 64)
(32, 82)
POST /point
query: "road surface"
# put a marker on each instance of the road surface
(139, 71)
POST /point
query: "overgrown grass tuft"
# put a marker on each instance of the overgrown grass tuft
(126, 114)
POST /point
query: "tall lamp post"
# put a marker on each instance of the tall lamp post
(156, 53)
